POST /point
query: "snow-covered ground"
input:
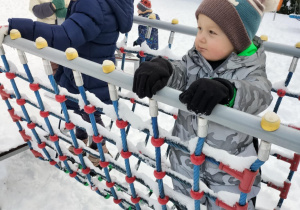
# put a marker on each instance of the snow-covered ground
(27, 183)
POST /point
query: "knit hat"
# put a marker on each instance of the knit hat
(144, 5)
(239, 19)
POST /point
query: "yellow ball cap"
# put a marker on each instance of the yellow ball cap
(270, 121)
(71, 53)
(14, 34)
(297, 45)
(152, 16)
(264, 37)
(108, 66)
(175, 21)
(41, 43)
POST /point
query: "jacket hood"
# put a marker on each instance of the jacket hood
(123, 10)
(233, 61)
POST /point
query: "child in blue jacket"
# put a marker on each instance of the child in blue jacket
(144, 10)
(92, 27)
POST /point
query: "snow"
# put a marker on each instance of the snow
(28, 183)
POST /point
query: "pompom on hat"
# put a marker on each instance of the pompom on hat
(239, 19)
(144, 5)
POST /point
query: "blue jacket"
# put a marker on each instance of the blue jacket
(153, 41)
(92, 27)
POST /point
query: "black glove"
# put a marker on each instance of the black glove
(151, 76)
(204, 94)
(135, 43)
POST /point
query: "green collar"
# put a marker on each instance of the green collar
(249, 51)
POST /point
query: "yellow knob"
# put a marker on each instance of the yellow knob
(270, 121)
(41, 43)
(297, 45)
(14, 34)
(108, 66)
(152, 16)
(264, 37)
(71, 53)
(175, 21)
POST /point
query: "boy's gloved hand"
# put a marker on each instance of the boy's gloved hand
(3, 32)
(61, 13)
(59, 4)
(204, 94)
(151, 77)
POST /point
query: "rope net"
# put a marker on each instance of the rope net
(129, 187)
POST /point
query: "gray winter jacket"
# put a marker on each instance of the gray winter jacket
(253, 95)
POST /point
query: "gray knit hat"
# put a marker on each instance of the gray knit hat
(144, 5)
(239, 19)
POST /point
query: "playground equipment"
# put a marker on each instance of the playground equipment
(268, 129)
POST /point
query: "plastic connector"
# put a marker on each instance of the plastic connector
(97, 139)
(44, 114)
(197, 159)
(25, 137)
(246, 177)
(130, 180)
(135, 200)
(10, 75)
(52, 162)
(122, 50)
(121, 124)
(42, 145)
(53, 138)
(34, 86)
(163, 201)
(175, 116)
(21, 101)
(159, 175)
(89, 109)
(31, 125)
(237, 206)
(157, 142)
(4, 95)
(86, 170)
(36, 153)
(77, 151)
(117, 201)
(284, 191)
(196, 195)
(125, 155)
(103, 164)
(132, 100)
(69, 126)
(281, 92)
(73, 174)
(60, 98)
(142, 54)
(294, 162)
(14, 117)
(110, 184)
(62, 157)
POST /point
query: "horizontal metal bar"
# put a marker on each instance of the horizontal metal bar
(285, 137)
(13, 151)
(192, 31)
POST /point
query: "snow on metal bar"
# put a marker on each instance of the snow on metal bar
(285, 137)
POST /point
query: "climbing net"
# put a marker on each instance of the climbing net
(140, 189)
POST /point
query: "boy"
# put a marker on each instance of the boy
(92, 27)
(144, 10)
(225, 66)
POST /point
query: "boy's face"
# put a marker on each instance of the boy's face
(211, 41)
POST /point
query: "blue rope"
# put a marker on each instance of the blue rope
(29, 75)
(5, 63)
(196, 178)
(291, 175)
(256, 165)
(288, 79)
(161, 188)
(243, 199)
(199, 146)
(212, 160)
(83, 95)
(38, 97)
(197, 204)
(53, 84)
